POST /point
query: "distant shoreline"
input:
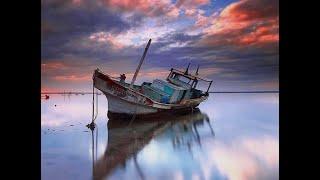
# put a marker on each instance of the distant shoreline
(68, 93)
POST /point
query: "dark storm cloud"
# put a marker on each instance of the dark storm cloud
(64, 22)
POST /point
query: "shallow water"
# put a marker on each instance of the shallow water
(234, 136)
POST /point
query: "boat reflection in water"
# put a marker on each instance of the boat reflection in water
(127, 138)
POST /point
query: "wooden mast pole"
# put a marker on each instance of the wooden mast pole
(140, 63)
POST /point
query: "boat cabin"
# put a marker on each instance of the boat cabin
(177, 87)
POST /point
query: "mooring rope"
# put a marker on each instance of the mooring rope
(94, 115)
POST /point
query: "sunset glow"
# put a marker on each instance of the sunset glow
(79, 36)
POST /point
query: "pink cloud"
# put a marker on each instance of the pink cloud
(191, 8)
(190, 12)
(247, 22)
(191, 3)
(201, 20)
(52, 66)
(267, 85)
(149, 8)
(73, 78)
(134, 37)
(173, 12)
(107, 37)
(46, 89)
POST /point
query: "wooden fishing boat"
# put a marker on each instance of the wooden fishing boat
(176, 94)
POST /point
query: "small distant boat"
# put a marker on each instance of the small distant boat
(46, 97)
(176, 94)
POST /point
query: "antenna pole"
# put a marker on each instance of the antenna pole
(197, 72)
(141, 61)
(187, 70)
(209, 86)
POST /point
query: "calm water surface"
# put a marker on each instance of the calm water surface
(233, 136)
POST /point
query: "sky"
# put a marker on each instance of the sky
(234, 42)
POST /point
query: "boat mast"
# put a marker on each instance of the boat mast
(141, 61)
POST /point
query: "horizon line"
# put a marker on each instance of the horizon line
(85, 92)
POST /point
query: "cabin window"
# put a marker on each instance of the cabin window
(184, 79)
(174, 76)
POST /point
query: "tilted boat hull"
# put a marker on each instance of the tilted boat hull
(120, 106)
(123, 100)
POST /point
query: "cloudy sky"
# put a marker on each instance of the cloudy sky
(235, 42)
